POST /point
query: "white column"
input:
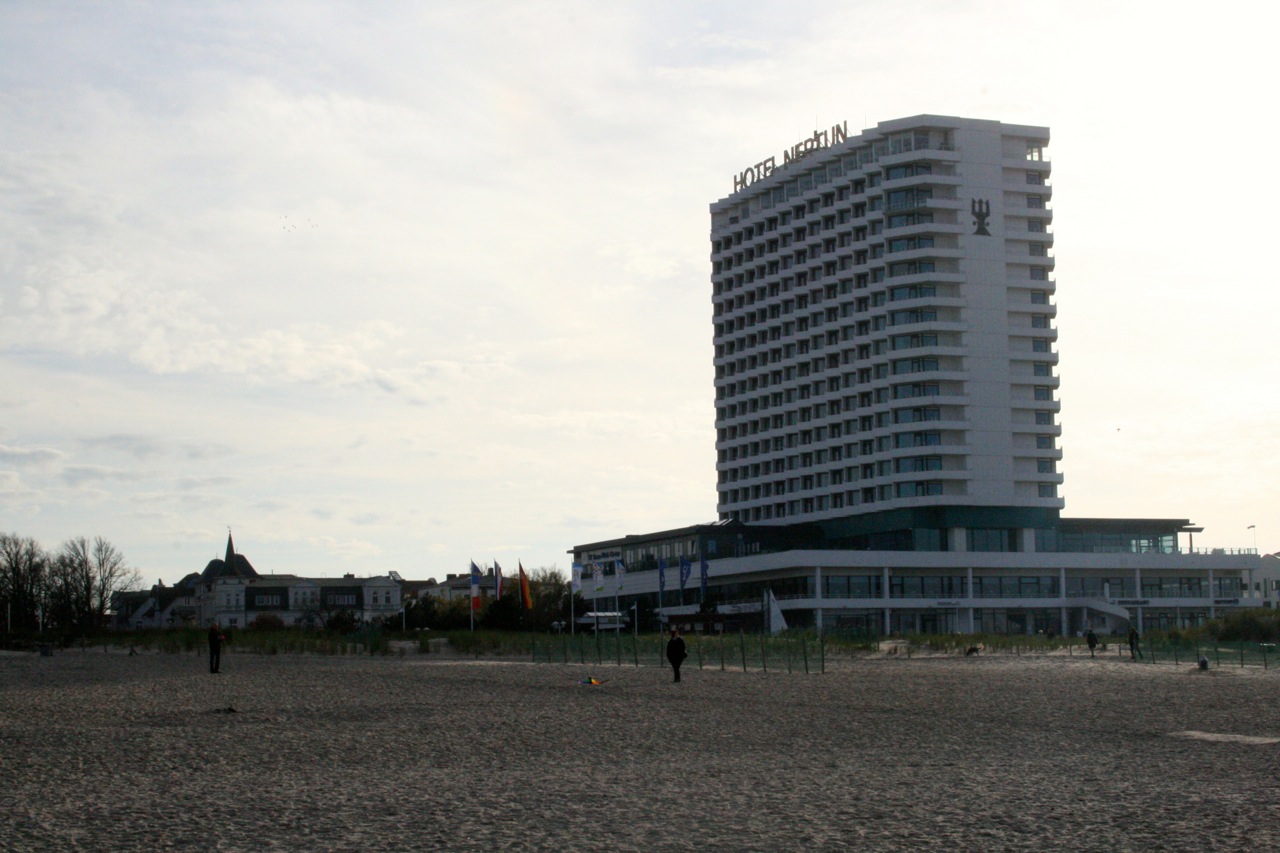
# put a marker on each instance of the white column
(1062, 596)
(969, 593)
(884, 594)
(817, 616)
(1212, 613)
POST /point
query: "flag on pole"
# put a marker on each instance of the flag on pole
(475, 586)
(597, 574)
(620, 571)
(685, 569)
(497, 581)
(704, 578)
(662, 579)
(575, 578)
(525, 598)
(777, 621)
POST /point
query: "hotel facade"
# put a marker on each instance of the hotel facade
(886, 409)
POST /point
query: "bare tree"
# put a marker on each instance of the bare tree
(24, 576)
(110, 575)
(71, 587)
(82, 579)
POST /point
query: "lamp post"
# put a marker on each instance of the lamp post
(1254, 528)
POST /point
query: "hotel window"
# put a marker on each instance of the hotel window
(912, 464)
(907, 416)
(901, 220)
(913, 341)
(1036, 178)
(902, 318)
(917, 490)
(991, 539)
(1045, 466)
(1043, 393)
(906, 244)
(1041, 368)
(915, 365)
(1044, 418)
(1038, 249)
(1040, 345)
(1044, 442)
(911, 268)
(1039, 274)
(1039, 297)
(1048, 490)
(1035, 225)
(917, 439)
(912, 291)
(1039, 321)
(1036, 202)
(919, 389)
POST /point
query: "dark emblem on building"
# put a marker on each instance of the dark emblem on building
(981, 209)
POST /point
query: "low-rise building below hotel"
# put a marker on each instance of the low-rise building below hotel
(233, 594)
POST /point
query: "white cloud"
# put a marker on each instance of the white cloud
(393, 289)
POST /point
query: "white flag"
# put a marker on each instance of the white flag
(575, 582)
(621, 571)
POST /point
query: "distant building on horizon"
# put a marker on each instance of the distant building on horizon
(886, 412)
(232, 593)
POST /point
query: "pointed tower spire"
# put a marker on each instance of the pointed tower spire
(231, 549)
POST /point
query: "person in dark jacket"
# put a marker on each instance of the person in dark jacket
(215, 647)
(676, 652)
(1135, 644)
(1092, 639)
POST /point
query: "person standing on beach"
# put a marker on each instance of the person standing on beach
(676, 651)
(1092, 639)
(1135, 644)
(215, 647)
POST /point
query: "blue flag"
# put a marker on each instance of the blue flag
(662, 579)
(685, 569)
(704, 578)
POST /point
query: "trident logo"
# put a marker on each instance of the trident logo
(981, 209)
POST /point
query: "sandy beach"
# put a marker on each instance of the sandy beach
(106, 751)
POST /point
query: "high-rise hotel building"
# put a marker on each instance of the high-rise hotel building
(884, 326)
(886, 411)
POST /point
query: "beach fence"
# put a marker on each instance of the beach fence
(740, 652)
(755, 652)
(1188, 651)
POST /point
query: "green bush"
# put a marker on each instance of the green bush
(1258, 626)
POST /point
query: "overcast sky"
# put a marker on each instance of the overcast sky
(396, 286)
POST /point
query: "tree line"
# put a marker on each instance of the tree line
(67, 591)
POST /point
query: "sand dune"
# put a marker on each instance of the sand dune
(107, 751)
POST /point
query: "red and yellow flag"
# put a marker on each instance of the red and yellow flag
(525, 598)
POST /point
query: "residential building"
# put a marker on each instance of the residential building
(233, 594)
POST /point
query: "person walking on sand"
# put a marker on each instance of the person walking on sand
(1135, 644)
(1092, 639)
(215, 647)
(676, 651)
